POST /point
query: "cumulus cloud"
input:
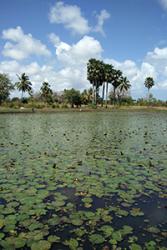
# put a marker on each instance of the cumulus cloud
(77, 54)
(70, 16)
(70, 67)
(135, 73)
(20, 46)
(158, 54)
(104, 15)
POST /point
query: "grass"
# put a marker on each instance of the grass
(45, 109)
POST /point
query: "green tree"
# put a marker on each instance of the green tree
(73, 97)
(124, 86)
(149, 83)
(95, 74)
(46, 92)
(86, 96)
(108, 76)
(24, 85)
(116, 81)
(5, 87)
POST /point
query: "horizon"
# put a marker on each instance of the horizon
(53, 41)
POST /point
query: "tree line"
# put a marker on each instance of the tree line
(100, 76)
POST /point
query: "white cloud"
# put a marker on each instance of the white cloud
(70, 16)
(164, 4)
(20, 46)
(70, 68)
(104, 15)
(158, 54)
(136, 74)
(77, 54)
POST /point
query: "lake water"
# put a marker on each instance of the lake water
(83, 180)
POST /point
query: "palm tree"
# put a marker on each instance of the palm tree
(46, 92)
(149, 83)
(24, 84)
(86, 96)
(108, 75)
(124, 86)
(95, 74)
(116, 81)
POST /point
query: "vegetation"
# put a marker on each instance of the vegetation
(24, 84)
(47, 93)
(73, 97)
(5, 87)
(83, 181)
(149, 83)
(100, 75)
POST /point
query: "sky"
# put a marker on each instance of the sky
(53, 40)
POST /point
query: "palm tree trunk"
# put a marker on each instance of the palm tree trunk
(93, 94)
(22, 95)
(106, 93)
(103, 93)
(148, 94)
(114, 95)
(96, 94)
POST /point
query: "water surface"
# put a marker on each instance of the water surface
(83, 180)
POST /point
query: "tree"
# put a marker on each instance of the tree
(46, 92)
(5, 87)
(124, 86)
(95, 74)
(24, 85)
(116, 81)
(73, 97)
(149, 83)
(86, 96)
(108, 76)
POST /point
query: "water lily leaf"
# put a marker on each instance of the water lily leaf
(2, 235)
(53, 238)
(135, 247)
(96, 239)
(136, 212)
(2, 223)
(107, 230)
(126, 230)
(72, 243)
(151, 245)
(153, 230)
(41, 245)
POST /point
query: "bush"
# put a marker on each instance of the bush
(92, 106)
(54, 106)
(64, 106)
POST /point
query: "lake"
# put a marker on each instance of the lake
(85, 180)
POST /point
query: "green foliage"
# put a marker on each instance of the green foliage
(47, 93)
(73, 97)
(24, 84)
(5, 87)
(149, 82)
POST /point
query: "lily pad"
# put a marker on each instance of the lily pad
(41, 245)
(96, 239)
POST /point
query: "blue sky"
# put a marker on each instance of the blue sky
(53, 40)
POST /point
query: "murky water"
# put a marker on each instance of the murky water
(83, 180)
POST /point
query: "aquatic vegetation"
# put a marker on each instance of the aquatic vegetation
(99, 182)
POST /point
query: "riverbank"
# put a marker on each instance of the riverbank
(82, 109)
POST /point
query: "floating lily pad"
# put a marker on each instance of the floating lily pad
(136, 212)
(41, 245)
(96, 239)
(72, 243)
(135, 247)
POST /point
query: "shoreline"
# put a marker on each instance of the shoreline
(82, 109)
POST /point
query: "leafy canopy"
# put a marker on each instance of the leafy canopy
(5, 87)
